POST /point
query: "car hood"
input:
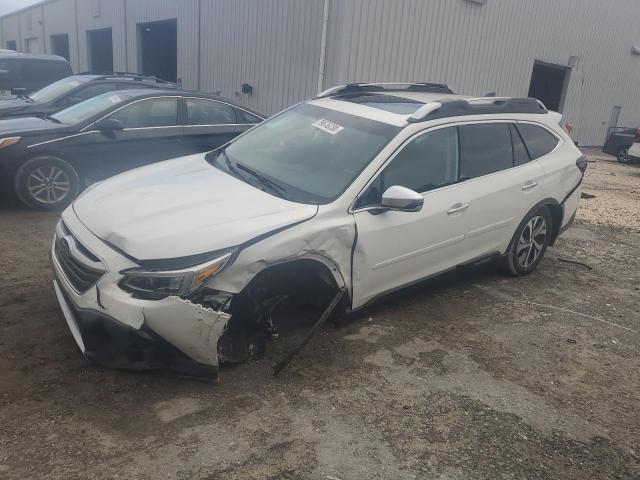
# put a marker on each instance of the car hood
(28, 125)
(180, 208)
(12, 106)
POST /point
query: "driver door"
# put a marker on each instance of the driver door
(396, 248)
(151, 134)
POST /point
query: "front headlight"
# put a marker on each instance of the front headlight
(7, 142)
(158, 285)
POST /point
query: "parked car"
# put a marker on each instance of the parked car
(362, 191)
(75, 89)
(633, 153)
(23, 73)
(48, 160)
(619, 142)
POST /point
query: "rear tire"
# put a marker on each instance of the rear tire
(529, 243)
(46, 183)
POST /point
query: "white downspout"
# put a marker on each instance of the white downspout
(323, 47)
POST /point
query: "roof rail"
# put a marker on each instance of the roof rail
(386, 87)
(477, 106)
(133, 75)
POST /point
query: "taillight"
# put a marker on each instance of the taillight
(582, 163)
(568, 127)
(637, 139)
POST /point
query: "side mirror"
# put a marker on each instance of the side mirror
(402, 199)
(109, 125)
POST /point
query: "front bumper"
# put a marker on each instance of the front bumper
(116, 330)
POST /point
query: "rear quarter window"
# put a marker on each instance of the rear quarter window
(539, 141)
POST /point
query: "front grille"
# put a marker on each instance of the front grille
(81, 267)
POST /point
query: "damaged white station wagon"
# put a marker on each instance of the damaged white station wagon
(361, 191)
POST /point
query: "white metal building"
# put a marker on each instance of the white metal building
(580, 56)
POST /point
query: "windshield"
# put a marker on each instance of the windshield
(311, 153)
(83, 111)
(56, 89)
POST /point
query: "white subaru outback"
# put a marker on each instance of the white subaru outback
(363, 190)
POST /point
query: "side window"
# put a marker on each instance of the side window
(427, 162)
(246, 117)
(484, 148)
(154, 112)
(94, 90)
(539, 142)
(209, 112)
(520, 155)
(10, 73)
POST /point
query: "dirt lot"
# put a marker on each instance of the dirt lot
(467, 377)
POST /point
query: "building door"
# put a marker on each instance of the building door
(31, 45)
(100, 51)
(613, 122)
(11, 45)
(158, 53)
(549, 83)
(60, 45)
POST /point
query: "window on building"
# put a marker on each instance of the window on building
(208, 112)
(154, 112)
(539, 142)
(485, 148)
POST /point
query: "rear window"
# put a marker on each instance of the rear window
(484, 148)
(539, 141)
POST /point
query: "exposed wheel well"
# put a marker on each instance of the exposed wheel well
(557, 213)
(305, 281)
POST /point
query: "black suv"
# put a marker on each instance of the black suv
(75, 89)
(23, 73)
(47, 160)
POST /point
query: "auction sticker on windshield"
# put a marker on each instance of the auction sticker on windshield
(329, 127)
(115, 98)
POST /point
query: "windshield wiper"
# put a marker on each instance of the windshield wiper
(262, 179)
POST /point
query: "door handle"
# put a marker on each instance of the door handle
(529, 185)
(458, 207)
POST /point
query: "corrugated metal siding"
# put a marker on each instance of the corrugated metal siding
(186, 13)
(272, 45)
(478, 49)
(60, 17)
(97, 14)
(10, 30)
(31, 30)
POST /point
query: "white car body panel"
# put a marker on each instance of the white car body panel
(634, 150)
(186, 207)
(180, 208)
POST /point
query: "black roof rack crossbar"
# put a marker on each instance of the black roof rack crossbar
(477, 106)
(133, 75)
(386, 87)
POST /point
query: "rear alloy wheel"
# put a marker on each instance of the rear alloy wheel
(529, 243)
(623, 155)
(46, 183)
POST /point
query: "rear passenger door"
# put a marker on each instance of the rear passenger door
(502, 185)
(209, 124)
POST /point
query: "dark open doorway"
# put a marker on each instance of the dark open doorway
(549, 83)
(100, 50)
(60, 45)
(159, 49)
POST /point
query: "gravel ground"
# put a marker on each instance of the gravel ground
(469, 376)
